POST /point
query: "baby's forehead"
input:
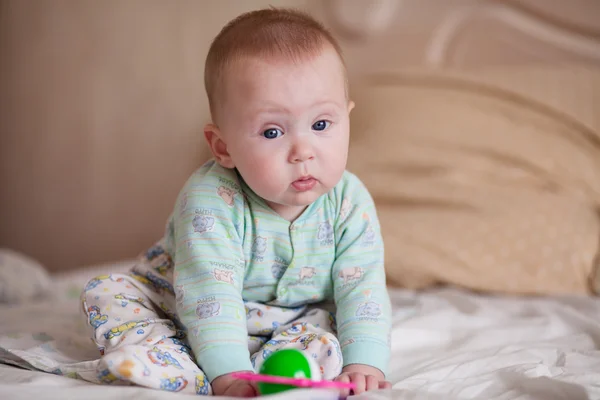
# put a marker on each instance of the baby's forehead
(237, 67)
(245, 71)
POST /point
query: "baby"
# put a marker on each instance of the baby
(271, 244)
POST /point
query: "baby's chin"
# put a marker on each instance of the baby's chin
(304, 200)
(292, 206)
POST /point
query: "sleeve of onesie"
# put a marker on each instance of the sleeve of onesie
(207, 229)
(360, 293)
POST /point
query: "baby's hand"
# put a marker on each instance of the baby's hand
(364, 377)
(226, 385)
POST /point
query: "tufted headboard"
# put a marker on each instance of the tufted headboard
(102, 103)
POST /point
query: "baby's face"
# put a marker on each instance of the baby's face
(286, 127)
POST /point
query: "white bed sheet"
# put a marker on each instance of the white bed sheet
(447, 344)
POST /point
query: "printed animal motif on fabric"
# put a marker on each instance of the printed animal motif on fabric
(158, 284)
(208, 310)
(325, 234)
(140, 278)
(368, 238)
(203, 223)
(180, 347)
(307, 273)
(106, 377)
(223, 275)
(96, 318)
(297, 328)
(266, 353)
(125, 368)
(159, 259)
(264, 331)
(162, 358)
(174, 384)
(253, 312)
(269, 348)
(256, 341)
(275, 343)
(227, 194)
(350, 274)
(202, 386)
(128, 298)
(119, 330)
(368, 309)
(305, 340)
(277, 270)
(98, 280)
(259, 247)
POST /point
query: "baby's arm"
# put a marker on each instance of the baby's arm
(363, 304)
(209, 274)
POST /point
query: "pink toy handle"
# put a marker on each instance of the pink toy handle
(300, 382)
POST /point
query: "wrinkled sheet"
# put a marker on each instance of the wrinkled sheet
(447, 344)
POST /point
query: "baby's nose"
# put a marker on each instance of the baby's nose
(301, 152)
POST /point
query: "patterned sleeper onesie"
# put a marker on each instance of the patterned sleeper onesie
(232, 282)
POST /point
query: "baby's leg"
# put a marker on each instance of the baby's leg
(165, 365)
(263, 320)
(312, 333)
(121, 312)
(132, 326)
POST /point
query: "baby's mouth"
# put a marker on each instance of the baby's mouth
(304, 183)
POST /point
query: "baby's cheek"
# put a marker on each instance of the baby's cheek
(266, 177)
(271, 167)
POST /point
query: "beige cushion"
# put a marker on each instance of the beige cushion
(22, 278)
(489, 181)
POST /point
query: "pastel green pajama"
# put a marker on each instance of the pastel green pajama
(229, 247)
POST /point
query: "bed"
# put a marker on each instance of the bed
(447, 343)
(489, 116)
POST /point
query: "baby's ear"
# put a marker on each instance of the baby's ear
(218, 146)
(350, 106)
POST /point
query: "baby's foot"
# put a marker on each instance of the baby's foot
(155, 367)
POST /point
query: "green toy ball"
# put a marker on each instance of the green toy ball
(287, 363)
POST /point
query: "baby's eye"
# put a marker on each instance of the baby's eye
(272, 133)
(321, 125)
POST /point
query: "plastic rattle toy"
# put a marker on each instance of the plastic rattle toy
(289, 369)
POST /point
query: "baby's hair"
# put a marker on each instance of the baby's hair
(271, 33)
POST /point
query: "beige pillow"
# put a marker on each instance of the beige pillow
(22, 278)
(482, 180)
